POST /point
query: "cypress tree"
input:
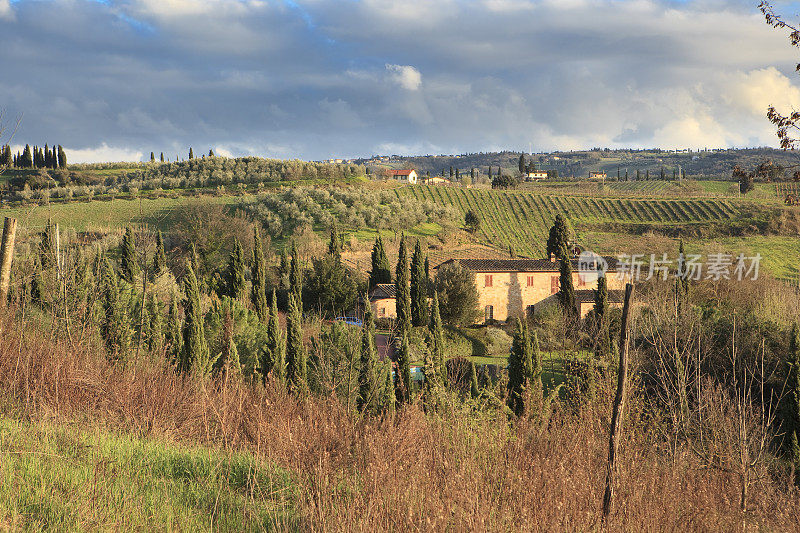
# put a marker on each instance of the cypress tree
(793, 401)
(229, 356)
(191, 153)
(522, 164)
(235, 276)
(381, 271)
(211, 152)
(296, 364)
(152, 157)
(560, 236)
(47, 247)
(427, 276)
(436, 339)
(388, 397)
(27, 157)
(402, 289)
(335, 243)
(367, 386)
(419, 288)
(162, 157)
(115, 326)
(128, 265)
(160, 260)
(275, 342)
(403, 389)
(518, 365)
(271, 357)
(474, 389)
(296, 277)
(430, 391)
(490, 172)
(62, 157)
(173, 339)
(156, 325)
(195, 355)
(258, 271)
(566, 293)
(604, 348)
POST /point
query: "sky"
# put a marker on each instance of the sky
(316, 79)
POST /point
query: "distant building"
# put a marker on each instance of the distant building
(597, 175)
(438, 180)
(536, 175)
(408, 176)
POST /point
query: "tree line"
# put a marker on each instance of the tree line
(34, 157)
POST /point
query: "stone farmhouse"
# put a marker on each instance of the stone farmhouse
(383, 300)
(510, 288)
(407, 176)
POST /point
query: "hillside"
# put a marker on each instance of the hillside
(705, 164)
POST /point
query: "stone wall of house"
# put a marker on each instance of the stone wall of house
(510, 294)
(384, 308)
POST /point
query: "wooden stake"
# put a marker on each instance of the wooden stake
(6, 255)
(619, 405)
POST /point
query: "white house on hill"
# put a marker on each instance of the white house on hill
(408, 176)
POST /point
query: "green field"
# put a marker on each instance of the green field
(101, 215)
(61, 479)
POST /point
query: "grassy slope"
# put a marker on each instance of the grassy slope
(58, 478)
(99, 214)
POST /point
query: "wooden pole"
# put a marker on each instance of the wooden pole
(6, 255)
(619, 405)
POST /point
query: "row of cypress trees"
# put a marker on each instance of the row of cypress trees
(35, 157)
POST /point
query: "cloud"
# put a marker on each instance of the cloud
(320, 78)
(102, 153)
(407, 76)
(5, 10)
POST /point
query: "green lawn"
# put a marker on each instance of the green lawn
(106, 214)
(60, 479)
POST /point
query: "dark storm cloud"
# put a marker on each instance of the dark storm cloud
(322, 78)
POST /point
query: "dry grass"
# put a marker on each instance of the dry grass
(464, 470)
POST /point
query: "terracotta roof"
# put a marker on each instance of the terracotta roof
(587, 295)
(520, 265)
(401, 172)
(382, 290)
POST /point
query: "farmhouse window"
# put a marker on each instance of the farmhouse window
(554, 284)
(382, 311)
(488, 313)
(487, 282)
(530, 281)
(531, 309)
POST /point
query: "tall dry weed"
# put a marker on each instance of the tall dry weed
(466, 469)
